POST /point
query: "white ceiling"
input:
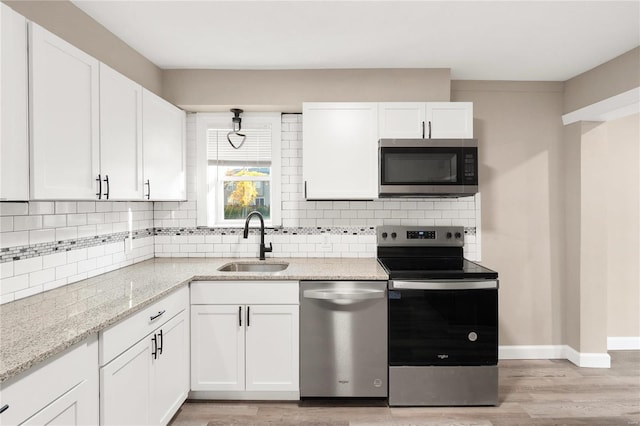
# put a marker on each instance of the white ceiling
(489, 40)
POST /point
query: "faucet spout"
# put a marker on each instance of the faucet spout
(263, 248)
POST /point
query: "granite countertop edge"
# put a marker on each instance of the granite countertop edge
(34, 355)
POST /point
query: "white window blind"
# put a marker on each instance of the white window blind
(256, 149)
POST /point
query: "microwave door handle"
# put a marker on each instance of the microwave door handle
(443, 285)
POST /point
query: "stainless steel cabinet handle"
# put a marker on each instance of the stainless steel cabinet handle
(429, 130)
(423, 130)
(443, 285)
(148, 184)
(4, 408)
(352, 294)
(158, 315)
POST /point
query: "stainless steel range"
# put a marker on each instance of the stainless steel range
(443, 319)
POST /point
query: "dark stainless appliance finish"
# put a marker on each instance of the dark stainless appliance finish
(343, 339)
(427, 167)
(443, 319)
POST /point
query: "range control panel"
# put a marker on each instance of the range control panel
(395, 235)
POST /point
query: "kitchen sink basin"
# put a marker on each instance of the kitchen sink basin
(253, 267)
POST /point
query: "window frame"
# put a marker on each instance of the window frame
(206, 121)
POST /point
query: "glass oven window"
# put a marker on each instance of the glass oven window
(448, 327)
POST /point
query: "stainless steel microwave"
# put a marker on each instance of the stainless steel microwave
(427, 167)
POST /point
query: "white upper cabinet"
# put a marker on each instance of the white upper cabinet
(164, 157)
(402, 120)
(120, 136)
(14, 142)
(340, 151)
(64, 119)
(442, 120)
(449, 120)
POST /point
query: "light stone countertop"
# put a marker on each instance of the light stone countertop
(38, 327)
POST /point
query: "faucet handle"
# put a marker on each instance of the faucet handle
(270, 249)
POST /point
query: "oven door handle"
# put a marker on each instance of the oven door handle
(344, 295)
(443, 285)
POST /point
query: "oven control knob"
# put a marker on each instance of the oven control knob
(384, 235)
(473, 336)
(394, 235)
(458, 235)
(449, 235)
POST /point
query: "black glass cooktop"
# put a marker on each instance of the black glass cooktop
(435, 268)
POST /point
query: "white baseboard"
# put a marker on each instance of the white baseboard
(591, 360)
(531, 352)
(623, 343)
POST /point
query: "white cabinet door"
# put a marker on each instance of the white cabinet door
(124, 387)
(61, 390)
(164, 166)
(217, 347)
(340, 151)
(14, 133)
(450, 120)
(64, 118)
(400, 120)
(170, 372)
(79, 406)
(272, 349)
(120, 136)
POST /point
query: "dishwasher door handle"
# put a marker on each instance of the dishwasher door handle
(344, 295)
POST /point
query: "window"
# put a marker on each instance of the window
(238, 181)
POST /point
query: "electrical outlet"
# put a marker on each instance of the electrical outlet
(326, 242)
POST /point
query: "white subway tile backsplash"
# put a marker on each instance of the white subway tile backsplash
(14, 284)
(27, 223)
(6, 270)
(6, 223)
(44, 276)
(86, 207)
(14, 209)
(26, 266)
(41, 207)
(11, 239)
(64, 207)
(54, 221)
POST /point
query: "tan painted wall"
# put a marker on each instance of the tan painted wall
(571, 159)
(623, 219)
(593, 239)
(520, 136)
(65, 20)
(609, 79)
(285, 90)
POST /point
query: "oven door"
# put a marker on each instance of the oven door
(414, 167)
(443, 323)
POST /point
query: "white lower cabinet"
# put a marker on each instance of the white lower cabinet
(61, 391)
(246, 345)
(148, 382)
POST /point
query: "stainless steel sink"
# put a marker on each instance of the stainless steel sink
(253, 267)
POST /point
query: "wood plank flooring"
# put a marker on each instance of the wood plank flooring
(532, 392)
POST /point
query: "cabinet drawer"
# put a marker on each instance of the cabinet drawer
(244, 292)
(32, 391)
(121, 336)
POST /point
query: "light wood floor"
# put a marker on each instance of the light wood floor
(538, 392)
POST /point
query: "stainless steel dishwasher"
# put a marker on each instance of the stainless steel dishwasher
(343, 339)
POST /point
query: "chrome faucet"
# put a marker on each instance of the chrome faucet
(263, 249)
